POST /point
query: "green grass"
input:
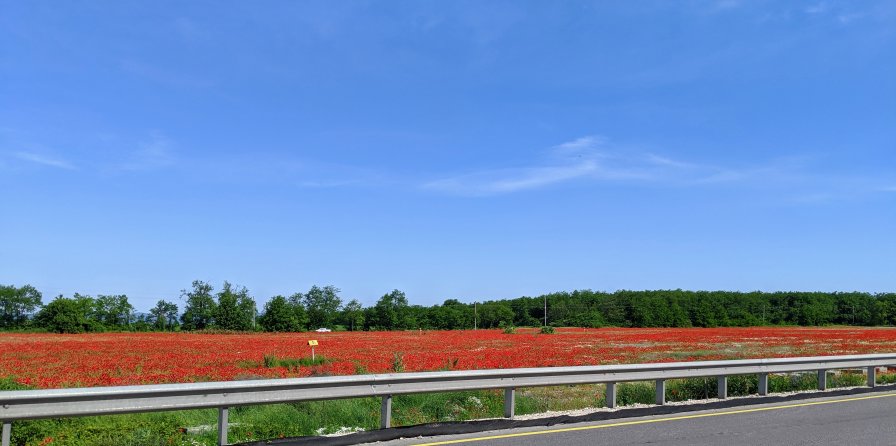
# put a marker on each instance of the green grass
(257, 422)
(118, 430)
(9, 383)
(889, 378)
(271, 361)
(634, 393)
(557, 398)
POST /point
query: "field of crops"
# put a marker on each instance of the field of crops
(49, 360)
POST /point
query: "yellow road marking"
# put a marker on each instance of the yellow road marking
(658, 420)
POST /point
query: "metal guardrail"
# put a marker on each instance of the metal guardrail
(60, 403)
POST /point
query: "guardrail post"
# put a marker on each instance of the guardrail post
(222, 426)
(610, 396)
(509, 402)
(7, 431)
(722, 387)
(763, 384)
(822, 379)
(872, 376)
(386, 412)
(660, 392)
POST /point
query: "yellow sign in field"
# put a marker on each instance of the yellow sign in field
(312, 342)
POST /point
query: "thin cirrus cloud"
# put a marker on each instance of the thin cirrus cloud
(501, 181)
(843, 12)
(586, 158)
(45, 160)
(162, 75)
(593, 159)
(154, 153)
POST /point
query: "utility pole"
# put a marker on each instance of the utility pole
(475, 315)
(545, 310)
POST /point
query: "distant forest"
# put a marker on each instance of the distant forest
(233, 308)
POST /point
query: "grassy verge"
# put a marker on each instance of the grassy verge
(198, 427)
(271, 361)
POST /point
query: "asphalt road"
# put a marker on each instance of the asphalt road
(859, 419)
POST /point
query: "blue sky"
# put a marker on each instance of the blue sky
(467, 150)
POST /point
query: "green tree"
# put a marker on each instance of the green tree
(702, 312)
(812, 308)
(235, 309)
(492, 315)
(143, 322)
(200, 306)
(885, 309)
(113, 311)
(322, 305)
(298, 307)
(854, 308)
(279, 315)
(17, 304)
(524, 309)
(164, 315)
(64, 315)
(451, 315)
(353, 315)
(390, 311)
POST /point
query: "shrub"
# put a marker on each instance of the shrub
(271, 361)
(450, 364)
(691, 389)
(886, 378)
(359, 368)
(635, 393)
(9, 383)
(547, 329)
(65, 315)
(847, 379)
(398, 362)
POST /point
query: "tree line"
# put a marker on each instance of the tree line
(233, 308)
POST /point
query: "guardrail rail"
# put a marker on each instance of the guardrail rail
(75, 402)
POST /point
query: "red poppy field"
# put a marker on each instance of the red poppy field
(50, 361)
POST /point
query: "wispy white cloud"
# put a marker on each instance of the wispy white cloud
(326, 175)
(818, 8)
(587, 157)
(289, 171)
(848, 18)
(726, 4)
(843, 13)
(510, 180)
(664, 161)
(832, 189)
(327, 184)
(162, 75)
(45, 160)
(191, 31)
(154, 153)
(717, 175)
(595, 159)
(585, 144)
